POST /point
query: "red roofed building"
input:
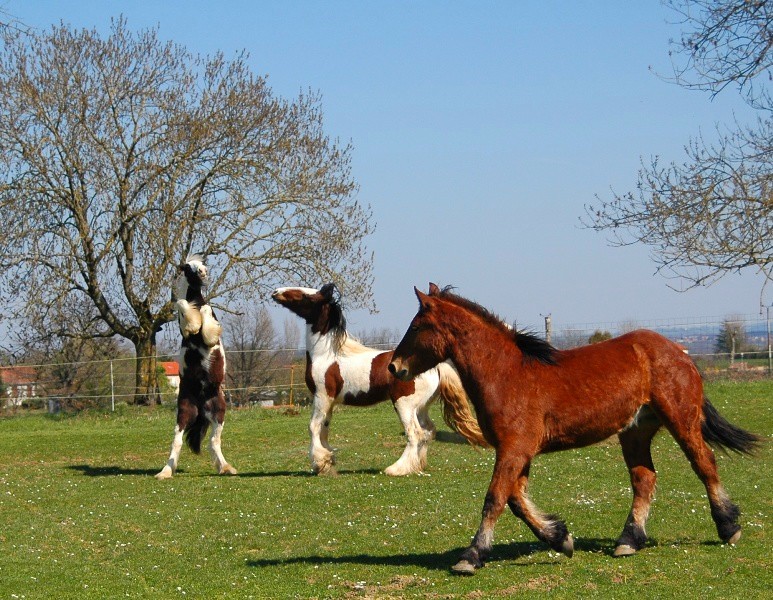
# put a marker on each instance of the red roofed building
(172, 372)
(21, 384)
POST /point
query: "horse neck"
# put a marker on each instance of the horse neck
(195, 296)
(320, 346)
(466, 335)
(334, 345)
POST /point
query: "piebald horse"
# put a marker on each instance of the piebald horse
(340, 370)
(200, 399)
(532, 398)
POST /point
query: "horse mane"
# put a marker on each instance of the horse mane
(336, 322)
(531, 345)
(352, 345)
(343, 342)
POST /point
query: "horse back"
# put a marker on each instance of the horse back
(360, 379)
(596, 391)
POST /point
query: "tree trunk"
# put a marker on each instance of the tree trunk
(146, 391)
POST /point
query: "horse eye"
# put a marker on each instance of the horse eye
(414, 328)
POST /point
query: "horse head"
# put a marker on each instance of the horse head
(422, 346)
(195, 271)
(321, 309)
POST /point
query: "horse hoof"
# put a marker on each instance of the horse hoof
(624, 550)
(735, 537)
(396, 472)
(228, 470)
(568, 546)
(164, 474)
(328, 471)
(463, 567)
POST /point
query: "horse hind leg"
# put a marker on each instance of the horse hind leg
(174, 456)
(186, 413)
(686, 427)
(547, 528)
(217, 420)
(636, 441)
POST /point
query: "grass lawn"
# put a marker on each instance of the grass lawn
(83, 517)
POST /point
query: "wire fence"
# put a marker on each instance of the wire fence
(739, 344)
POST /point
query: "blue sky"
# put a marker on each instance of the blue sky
(480, 130)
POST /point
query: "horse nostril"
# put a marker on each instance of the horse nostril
(400, 373)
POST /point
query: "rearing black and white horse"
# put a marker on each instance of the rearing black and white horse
(200, 399)
(340, 370)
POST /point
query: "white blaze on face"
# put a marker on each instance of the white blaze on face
(200, 268)
(304, 290)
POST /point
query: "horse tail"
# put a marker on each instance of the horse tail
(457, 412)
(195, 431)
(722, 434)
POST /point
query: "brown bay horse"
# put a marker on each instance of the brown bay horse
(531, 398)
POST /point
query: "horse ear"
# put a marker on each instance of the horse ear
(327, 291)
(434, 290)
(423, 299)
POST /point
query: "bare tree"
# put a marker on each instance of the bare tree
(77, 371)
(723, 43)
(628, 326)
(292, 339)
(253, 353)
(570, 337)
(123, 154)
(9, 21)
(382, 338)
(712, 214)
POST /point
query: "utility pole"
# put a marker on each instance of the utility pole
(770, 355)
(549, 328)
(732, 348)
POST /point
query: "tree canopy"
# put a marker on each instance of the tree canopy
(122, 154)
(712, 213)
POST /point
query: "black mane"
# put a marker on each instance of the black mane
(531, 345)
(336, 322)
(336, 319)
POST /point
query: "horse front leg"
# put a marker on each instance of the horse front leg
(320, 452)
(186, 414)
(210, 327)
(427, 431)
(410, 461)
(216, 417)
(474, 557)
(188, 318)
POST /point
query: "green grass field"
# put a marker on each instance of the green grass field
(83, 517)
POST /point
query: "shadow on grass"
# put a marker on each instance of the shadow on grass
(115, 471)
(309, 473)
(439, 561)
(450, 437)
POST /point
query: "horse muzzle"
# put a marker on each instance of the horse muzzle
(399, 369)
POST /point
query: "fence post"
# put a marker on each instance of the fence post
(292, 373)
(770, 355)
(732, 349)
(112, 389)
